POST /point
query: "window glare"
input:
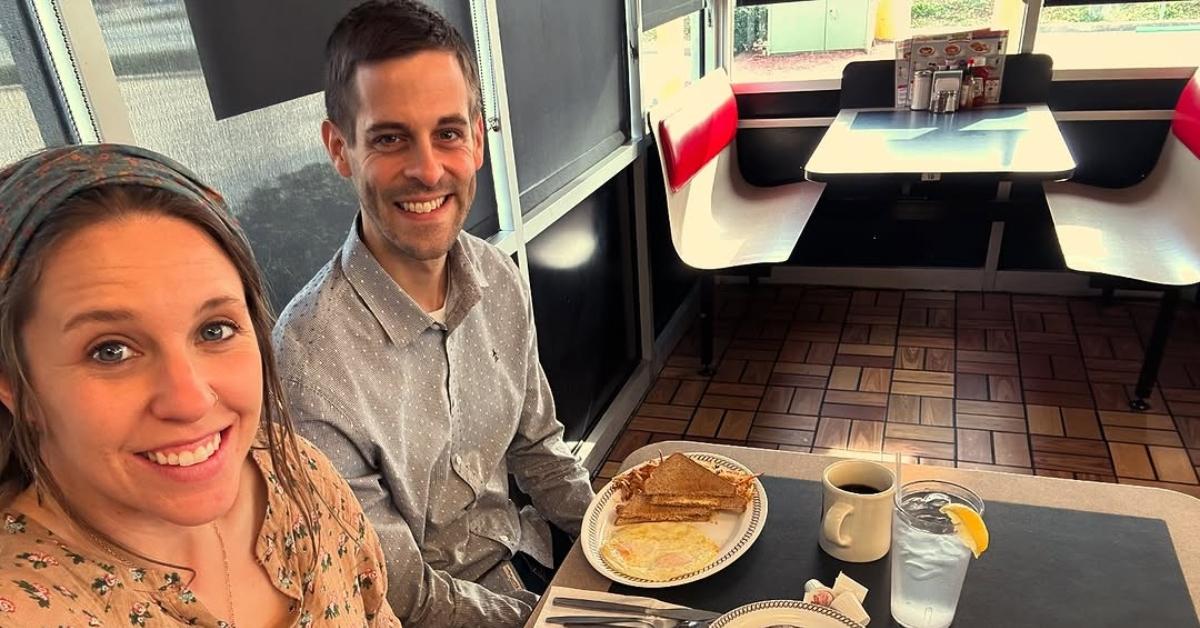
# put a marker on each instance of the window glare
(671, 56)
(1126, 35)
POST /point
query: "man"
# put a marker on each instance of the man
(411, 357)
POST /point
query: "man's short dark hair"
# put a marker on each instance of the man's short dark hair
(377, 30)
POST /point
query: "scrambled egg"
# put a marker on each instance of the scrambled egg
(658, 551)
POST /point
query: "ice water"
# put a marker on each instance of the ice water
(929, 561)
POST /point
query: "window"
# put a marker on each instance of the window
(815, 39)
(1127, 35)
(269, 164)
(671, 56)
(21, 135)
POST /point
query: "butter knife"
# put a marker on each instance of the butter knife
(680, 614)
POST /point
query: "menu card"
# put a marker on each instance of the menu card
(983, 49)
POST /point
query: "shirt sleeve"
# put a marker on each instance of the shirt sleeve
(419, 594)
(545, 469)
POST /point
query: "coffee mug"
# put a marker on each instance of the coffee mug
(856, 519)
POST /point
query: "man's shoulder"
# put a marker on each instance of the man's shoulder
(489, 260)
(320, 307)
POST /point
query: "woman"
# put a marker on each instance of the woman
(149, 474)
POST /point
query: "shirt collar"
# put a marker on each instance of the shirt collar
(397, 313)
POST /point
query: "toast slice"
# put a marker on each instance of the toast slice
(680, 475)
(639, 510)
(737, 503)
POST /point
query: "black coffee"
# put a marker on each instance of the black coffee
(861, 489)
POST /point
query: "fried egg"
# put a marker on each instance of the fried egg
(658, 551)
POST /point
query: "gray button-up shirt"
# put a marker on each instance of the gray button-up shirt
(427, 420)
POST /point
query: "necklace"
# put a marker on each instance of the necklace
(228, 577)
(224, 559)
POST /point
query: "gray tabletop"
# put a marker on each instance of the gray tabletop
(1180, 513)
(1019, 142)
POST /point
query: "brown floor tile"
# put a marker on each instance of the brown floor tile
(1070, 462)
(689, 392)
(844, 411)
(923, 448)
(728, 402)
(882, 335)
(832, 433)
(927, 340)
(1045, 420)
(1068, 367)
(1058, 399)
(1145, 437)
(1054, 473)
(872, 361)
(651, 424)
(1173, 465)
(875, 380)
(598, 484)
(807, 401)
(796, 381)
(1081, 423)
(910, 358)
(937, 411)
(757, 372)
(776, 399)
(904, 409)
(785, 421)
(970, 340)
(991, 408)
(736, 425)
(705, 422)
(856, 333)
(1004, 388)
(662, 391)
(994, 423)
(844, 378)
(971, 386)
(939, 360)
(1181, 407)
(609, 469)
(779, 436)
(866, 436)
(920, 432)
(1055, 385)
(987, 357)
(921, 389)
(1011, 449)
(1191, 395)
(627, 443)
(1077, 446)
(1110, 396)
(1137, 419)
(1096, 477)
(1001, 340)
(856, 398)
(1036, 365)
(664, 411)
(810, 370)
(865, 349)
(923, 377)
(1131, 461)
(974, 446)
(1189, 430)
(683, 372)
(735, 390)
(987, 368)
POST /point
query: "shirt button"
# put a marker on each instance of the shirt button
(457, 460)
(503, 538)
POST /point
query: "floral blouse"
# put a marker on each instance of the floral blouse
(44, 582)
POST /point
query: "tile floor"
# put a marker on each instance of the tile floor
(997, 381)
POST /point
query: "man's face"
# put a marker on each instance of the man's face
(415, 153)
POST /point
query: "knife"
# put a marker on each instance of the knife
(681, 614)
(604, 621)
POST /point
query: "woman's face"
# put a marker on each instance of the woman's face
(144, 362)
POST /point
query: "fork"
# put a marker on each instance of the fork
(635, 622)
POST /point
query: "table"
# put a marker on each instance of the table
(1009, 143)
(1006, 493)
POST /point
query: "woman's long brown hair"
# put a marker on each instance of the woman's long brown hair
(20, 461)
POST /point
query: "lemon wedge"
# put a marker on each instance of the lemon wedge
(969, 526)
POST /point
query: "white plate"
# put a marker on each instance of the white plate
(783, 612)
(733, 533)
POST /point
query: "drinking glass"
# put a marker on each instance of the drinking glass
(929, 561)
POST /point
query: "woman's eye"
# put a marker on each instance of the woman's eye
(111, 353)
(216, 332)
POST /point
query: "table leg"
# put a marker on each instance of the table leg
(1154, 352)
(992, 264)
(1003, 190)
(707, 306)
